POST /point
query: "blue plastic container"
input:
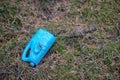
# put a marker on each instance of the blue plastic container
(37, 47)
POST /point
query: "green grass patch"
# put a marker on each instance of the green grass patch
(93, 56)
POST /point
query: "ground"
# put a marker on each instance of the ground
(87, 32)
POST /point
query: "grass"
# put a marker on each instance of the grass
(87, 46)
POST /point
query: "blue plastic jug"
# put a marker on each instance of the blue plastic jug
(37, 47)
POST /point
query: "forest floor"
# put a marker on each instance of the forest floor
(87, 32)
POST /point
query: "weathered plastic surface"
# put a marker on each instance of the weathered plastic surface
(37, 47)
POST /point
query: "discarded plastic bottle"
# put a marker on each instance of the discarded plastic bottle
(37, 47)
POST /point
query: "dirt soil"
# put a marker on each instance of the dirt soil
(87, 32)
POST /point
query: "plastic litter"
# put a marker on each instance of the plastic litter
(37, 47)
